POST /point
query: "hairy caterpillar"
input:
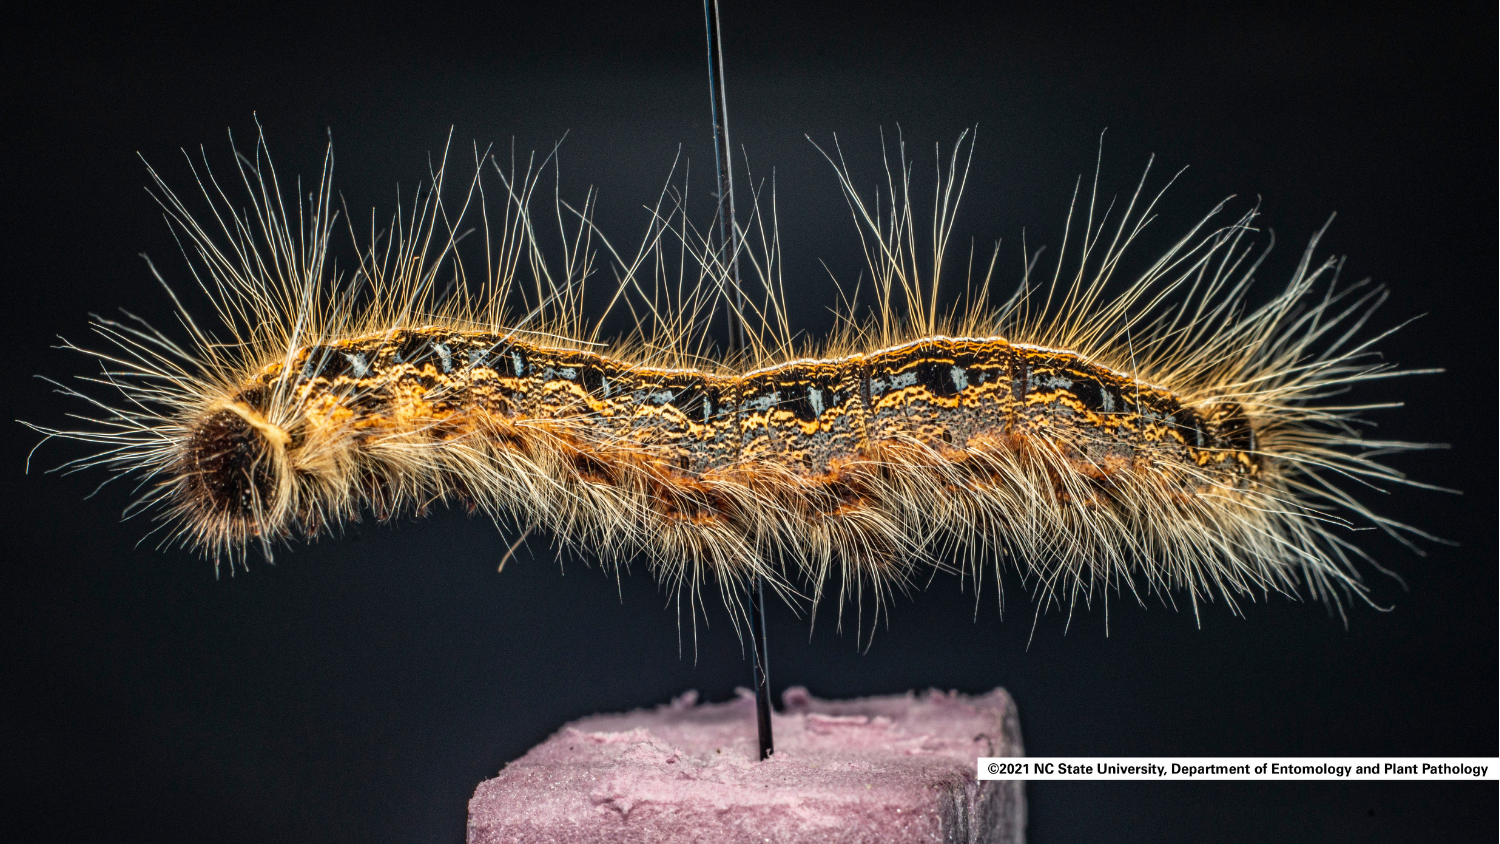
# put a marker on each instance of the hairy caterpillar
(1161, 436)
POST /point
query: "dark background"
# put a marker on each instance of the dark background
(359, 689)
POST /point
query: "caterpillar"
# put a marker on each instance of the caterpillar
(1158, 434)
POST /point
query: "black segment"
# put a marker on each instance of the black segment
(808, 398)
(1233, 427)
(702, 400)
(497, 357)
(750, 398)
(591, 378)
(1091, 394)
(412, 348)
(1190, 425)
(327, 362)
(795, 399)
(693, 400)
(937, 377)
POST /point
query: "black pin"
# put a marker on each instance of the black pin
(729, 242)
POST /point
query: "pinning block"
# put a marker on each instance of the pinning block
(882, 770)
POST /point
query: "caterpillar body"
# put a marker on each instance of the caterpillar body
(1166, 437)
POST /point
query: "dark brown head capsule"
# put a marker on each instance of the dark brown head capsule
(230, 460)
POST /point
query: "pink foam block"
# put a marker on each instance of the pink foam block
(882, 769)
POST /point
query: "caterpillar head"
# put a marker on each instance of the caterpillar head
(235, 479)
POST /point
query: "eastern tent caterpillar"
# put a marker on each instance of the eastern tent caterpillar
(1162, 436)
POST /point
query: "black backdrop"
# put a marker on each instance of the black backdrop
(359, 689)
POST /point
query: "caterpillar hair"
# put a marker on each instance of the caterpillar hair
(1101, 429)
